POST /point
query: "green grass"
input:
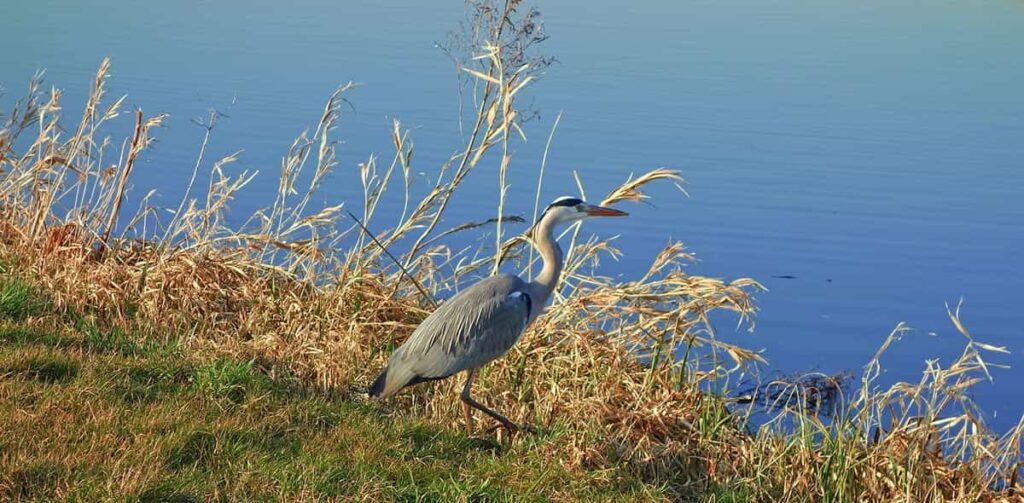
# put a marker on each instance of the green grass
(43, 367)
(93, 414)
(18, 300)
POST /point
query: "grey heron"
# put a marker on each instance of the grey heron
(482, 322)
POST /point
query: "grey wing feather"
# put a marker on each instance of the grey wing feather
(474, 327)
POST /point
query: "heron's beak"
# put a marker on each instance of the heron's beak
(601, 211)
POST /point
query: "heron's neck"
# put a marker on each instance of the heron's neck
(544, 241)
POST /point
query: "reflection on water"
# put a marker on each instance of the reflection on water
(862, 159)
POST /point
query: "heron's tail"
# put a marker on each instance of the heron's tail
(377, 388)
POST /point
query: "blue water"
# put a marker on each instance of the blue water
(872, 150)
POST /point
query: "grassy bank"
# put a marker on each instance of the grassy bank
(93, 414)
(178, 353)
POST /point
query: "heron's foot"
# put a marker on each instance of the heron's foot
(513, 428)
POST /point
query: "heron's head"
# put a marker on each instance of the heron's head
(568, 209)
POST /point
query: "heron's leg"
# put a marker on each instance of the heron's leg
(466, 413)
(468, 416)
(468, 400)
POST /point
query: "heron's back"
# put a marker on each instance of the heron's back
(472, 328)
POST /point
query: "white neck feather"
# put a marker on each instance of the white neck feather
(544, 241)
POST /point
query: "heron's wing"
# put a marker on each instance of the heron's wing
(474, 327)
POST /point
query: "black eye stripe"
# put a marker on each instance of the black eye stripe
(571, 201)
